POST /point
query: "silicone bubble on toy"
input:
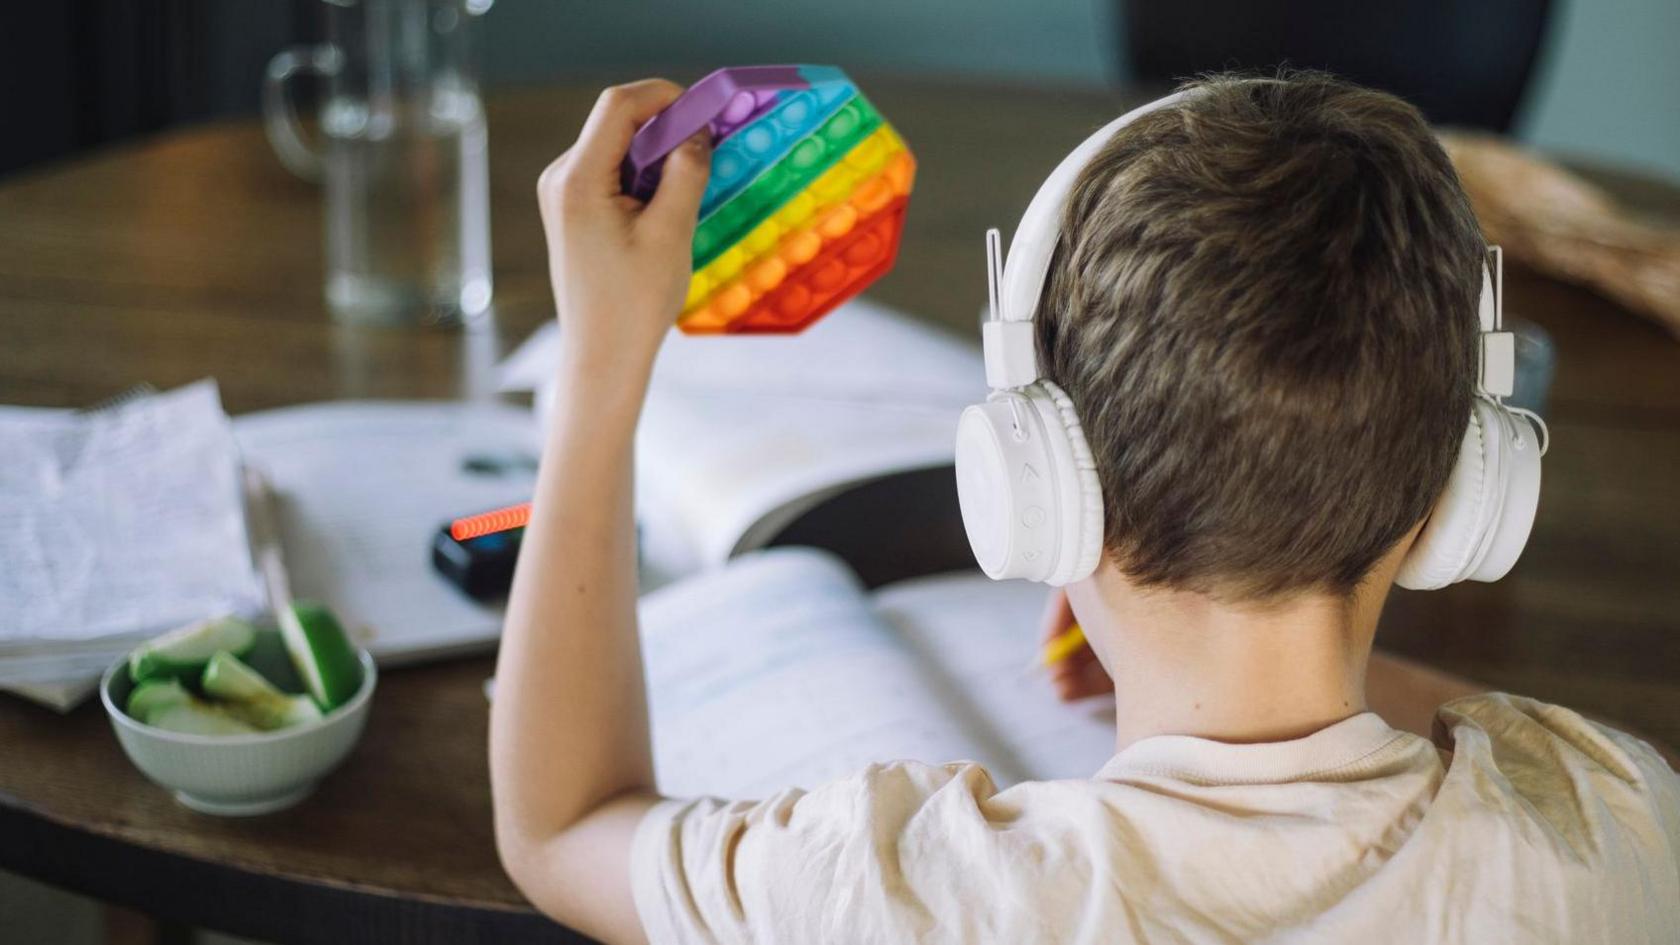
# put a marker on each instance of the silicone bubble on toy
(806, 200)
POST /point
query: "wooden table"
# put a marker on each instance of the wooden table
(195, 254)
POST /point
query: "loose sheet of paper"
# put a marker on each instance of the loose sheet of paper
(776, 672)
(115, 525)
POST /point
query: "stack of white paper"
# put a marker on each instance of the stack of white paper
(116, 525)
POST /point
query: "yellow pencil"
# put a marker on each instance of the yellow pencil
(1062, 646)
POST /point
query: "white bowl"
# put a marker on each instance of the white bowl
(238, 775)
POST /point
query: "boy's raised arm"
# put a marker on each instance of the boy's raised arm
(571, 770)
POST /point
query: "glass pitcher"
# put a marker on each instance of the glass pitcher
(402, 158)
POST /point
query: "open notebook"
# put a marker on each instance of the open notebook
(781, 670)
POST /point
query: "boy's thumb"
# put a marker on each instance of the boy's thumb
(682, 183)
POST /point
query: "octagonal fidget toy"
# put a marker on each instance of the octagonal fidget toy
(806, 199)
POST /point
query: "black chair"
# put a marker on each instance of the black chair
(1463, 64)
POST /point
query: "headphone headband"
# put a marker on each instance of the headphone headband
(1036, 235)
(1014, 287)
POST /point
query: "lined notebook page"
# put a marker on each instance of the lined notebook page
(777, 672)
(978, 639)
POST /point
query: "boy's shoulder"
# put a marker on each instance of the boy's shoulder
(1570, 774)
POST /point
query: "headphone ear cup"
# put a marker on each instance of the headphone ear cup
(1027, 487)
(1450, 537)
(1519, 499)
(1082, 508)
(1481, 522)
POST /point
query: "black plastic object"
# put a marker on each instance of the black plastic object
(482, 567)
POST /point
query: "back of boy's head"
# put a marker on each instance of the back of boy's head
(1263, 307)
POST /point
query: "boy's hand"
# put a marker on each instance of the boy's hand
(1080, 675)
(620, 268)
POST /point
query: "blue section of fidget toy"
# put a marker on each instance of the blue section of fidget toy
(760, 143)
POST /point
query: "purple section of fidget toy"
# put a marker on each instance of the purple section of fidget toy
(704, 105)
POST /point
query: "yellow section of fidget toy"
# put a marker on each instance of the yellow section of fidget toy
(792, 233)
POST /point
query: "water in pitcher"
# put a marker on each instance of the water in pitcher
(407, 230)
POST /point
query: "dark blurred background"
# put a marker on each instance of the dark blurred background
(1591, 78)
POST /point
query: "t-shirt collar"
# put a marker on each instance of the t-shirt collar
(1333, 748)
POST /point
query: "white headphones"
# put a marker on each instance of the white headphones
(1027, 485)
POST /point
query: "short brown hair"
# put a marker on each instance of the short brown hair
(1263, 306)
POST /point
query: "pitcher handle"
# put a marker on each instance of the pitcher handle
(280, 114)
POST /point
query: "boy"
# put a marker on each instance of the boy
(1263, 310)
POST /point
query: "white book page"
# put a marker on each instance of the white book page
(728, 470)
(776, 672)
(978, 640)
(742, 433)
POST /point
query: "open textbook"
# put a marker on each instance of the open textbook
(781, 670)
(743, 434)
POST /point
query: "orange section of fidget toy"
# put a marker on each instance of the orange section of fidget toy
(866, 177)
(831, 277)
(850, 240)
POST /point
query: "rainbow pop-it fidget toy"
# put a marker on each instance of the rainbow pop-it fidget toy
(806, 199)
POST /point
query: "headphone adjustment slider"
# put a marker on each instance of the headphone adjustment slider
(1498, 370)
(1011, 354)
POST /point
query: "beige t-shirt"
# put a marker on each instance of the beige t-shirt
(1528, 824)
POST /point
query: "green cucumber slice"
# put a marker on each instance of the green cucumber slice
(268, 656)
(183, 653)
(198, 718)
(155, 695)
(165, 703)
(251, 698)
(323, 655)
(228, 677)
(274, 712)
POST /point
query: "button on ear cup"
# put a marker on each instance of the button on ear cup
(1008, 485)
(1026, 486)
(1081, 509)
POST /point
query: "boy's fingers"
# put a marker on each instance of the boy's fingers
(1092, 680)
(1073, 664)
(605, 138)
(682, 183)
(1081, 676)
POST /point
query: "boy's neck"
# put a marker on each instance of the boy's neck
(1187, 664)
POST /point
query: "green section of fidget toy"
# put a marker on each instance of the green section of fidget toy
(779, 183)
